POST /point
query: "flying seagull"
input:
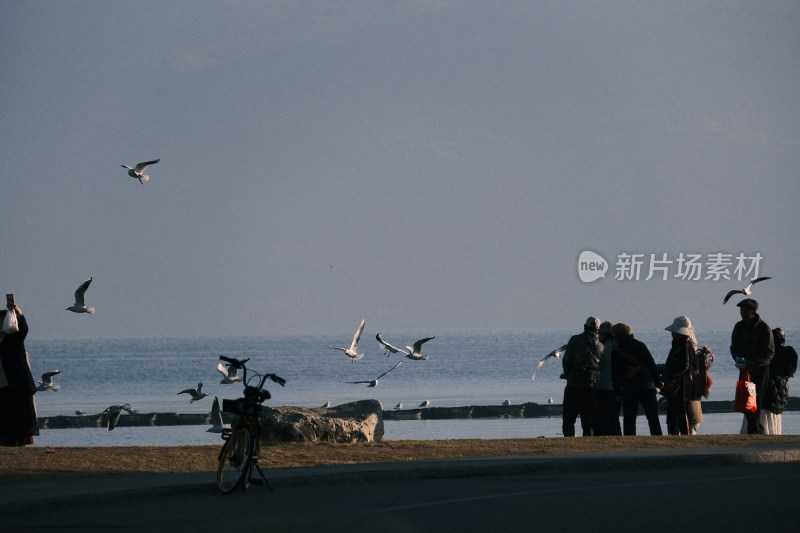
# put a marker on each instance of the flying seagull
(113, 413)
(415, 352)
(557, 353)
(47, 381)
(229, 374)
(374, 382)
(215, 418)
(352, 351)
(196, 394)
(138, 171)
(746, 291)
(79, 306)
(388, 348)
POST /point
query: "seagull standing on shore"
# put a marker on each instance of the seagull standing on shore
(352, 351)
(388, 348)
(746, 291)
(47, 381)
(557, 353)
(79, 306)
(415, 352)
(426, 403)
(374, 382)
(196, 394)
(138, 171)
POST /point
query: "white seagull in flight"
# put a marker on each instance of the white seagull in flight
(746, 291)
(374, 382)
(415, 352)
(196, 394)
(138, 171)
(47, 381)
(79, 306)
(113, 413)
(388, 348)
(352, 351)
(229, 374)
(557, 353)
(215, 418)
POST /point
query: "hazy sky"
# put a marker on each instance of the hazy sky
(431, 165)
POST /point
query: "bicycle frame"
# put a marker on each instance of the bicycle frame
(248, 408)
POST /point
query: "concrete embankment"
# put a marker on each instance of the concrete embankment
(525, 410)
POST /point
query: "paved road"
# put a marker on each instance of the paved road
(707, 495)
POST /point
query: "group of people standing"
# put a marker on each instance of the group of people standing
(609, 371)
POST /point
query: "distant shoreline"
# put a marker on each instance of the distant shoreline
(525, 410)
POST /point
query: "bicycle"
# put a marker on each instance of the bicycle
(240, 453)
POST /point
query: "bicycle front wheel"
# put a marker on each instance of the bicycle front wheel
(234, 461)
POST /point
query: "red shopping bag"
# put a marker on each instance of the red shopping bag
(745, 401)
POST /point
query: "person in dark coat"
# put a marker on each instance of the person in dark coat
(634, 374)
(581, 366)
(18, 422)
(781, 368)
(753, 348)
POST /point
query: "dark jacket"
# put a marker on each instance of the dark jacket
(781, 368)
(754, 343)
(632, 366)
(15, 360)
(581, 362)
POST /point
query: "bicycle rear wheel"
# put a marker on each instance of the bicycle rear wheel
(234, 461)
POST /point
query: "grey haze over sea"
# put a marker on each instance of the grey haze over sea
(463, 369)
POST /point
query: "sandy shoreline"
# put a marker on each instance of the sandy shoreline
(33, 462)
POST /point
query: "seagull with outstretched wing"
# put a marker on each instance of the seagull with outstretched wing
(388, 348)
(215, 418)
(114, 411)
(47, 381)
(80, 306)
(230, 374)
(557, 353)
(746, 291)
(138, 171)
(196, 394)
(415, 352)
(352, 351)
(374, 382)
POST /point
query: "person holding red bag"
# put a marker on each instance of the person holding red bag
(752, 349)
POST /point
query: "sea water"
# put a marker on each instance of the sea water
(462, 369)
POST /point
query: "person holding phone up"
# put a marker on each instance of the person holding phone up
(18, 423)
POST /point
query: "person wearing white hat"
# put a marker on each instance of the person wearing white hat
(683, 407)
(581, 362)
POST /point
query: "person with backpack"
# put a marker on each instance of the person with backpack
(581, 363)
(781, 368)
